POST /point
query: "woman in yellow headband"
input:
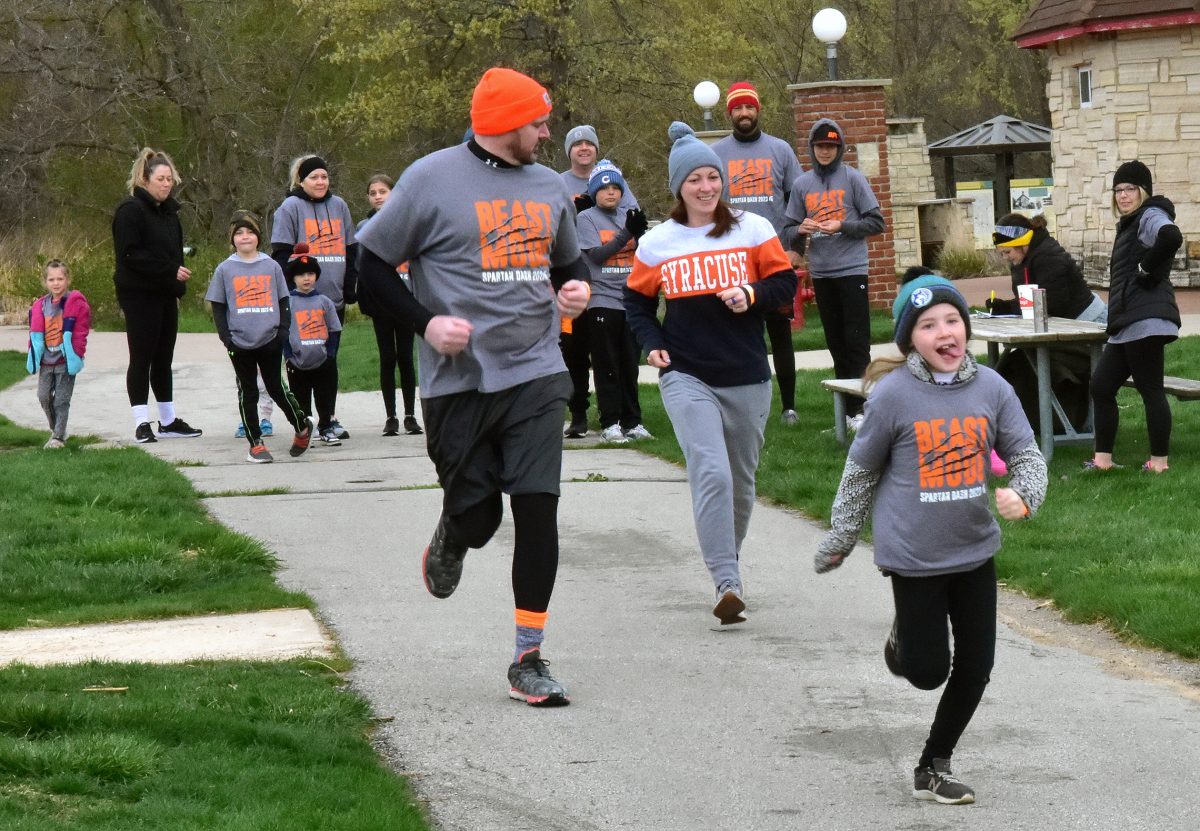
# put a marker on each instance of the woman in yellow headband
(1036, 258)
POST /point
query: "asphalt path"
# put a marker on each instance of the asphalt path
(788, 721)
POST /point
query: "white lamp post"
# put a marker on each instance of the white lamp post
(706, 95)
(829, 25)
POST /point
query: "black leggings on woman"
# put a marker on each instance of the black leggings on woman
(395, 342)
(151, 325)
(783, 358)
(1143, 359)
(923, 604)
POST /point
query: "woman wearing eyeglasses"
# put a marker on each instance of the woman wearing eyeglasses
(1142, 314)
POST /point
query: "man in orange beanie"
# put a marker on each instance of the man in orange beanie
(489, 237)
(759, 171)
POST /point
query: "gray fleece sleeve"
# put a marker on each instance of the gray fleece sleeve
(855, 495)
(1028, 476)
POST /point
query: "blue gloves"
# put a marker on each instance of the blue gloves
(74, 362)
(37, 347)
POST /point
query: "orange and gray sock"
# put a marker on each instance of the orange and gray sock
(530, 631)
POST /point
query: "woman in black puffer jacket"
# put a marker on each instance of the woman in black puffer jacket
(1034, 257)
(1142, 314)
(150, 277)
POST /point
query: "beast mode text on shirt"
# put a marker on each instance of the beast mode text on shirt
(514, 240)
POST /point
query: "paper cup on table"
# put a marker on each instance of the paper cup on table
(1025, 298)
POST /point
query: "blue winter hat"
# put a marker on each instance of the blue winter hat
(917, 295)
(687, 154)
(605, 173)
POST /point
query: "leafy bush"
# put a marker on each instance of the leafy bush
(959, 261)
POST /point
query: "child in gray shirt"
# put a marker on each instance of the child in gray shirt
(921, 458)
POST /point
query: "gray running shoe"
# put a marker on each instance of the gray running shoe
(938, 784)
(730, 604)
(789, 418)
(442, 565)
(529, 681)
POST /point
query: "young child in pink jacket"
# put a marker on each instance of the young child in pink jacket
(59, 323)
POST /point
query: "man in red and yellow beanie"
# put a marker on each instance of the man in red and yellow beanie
(489, 238)
(759, 170)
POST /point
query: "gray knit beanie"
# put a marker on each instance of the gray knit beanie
(687, 154)
(584, 132)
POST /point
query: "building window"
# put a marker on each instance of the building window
(1085, 86)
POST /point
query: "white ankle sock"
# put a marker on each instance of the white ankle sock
(166, 412)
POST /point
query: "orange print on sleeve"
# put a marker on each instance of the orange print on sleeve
(826, 204)
(750, 177)
(325, 237)
(514, 235)
(311, 324)
(252, 291)
(951, 452)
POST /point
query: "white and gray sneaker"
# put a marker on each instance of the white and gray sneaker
(854, 423)
(613, 435)
(638, 433)
(730, 605)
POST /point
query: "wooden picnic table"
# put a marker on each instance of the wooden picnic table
(1018, 332)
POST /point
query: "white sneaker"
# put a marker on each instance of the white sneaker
(788, 418)
(854, 423)
(613, 435)
(638, 433)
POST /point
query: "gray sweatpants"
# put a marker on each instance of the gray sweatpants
(55, 388)
(720, 430)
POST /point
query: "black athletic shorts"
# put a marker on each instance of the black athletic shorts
(508, 441)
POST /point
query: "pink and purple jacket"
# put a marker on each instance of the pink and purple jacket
(76, 318)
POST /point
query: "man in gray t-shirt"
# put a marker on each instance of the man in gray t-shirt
(759, 171)
(489, 236)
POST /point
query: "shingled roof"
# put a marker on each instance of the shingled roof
(1052, 20)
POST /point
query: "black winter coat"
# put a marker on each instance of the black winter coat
(1139, 287)
(1048, 265)
(148, 245)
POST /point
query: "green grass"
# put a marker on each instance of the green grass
(1117, 548)
(234, 746)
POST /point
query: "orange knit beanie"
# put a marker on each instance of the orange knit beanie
(504, 100)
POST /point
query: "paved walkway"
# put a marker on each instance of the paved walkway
(790, 721)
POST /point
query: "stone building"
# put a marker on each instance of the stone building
(1124, 84)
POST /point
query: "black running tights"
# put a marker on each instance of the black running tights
(151, 325)
(395, 342)
(923, 604)
(535, 551)
(1143, 359)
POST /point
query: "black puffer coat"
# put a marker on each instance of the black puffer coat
(1139, 287)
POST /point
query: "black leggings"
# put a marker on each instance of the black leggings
(1143, 359)
(267, 361)
(783, 357)
(535, 550)
(319, 385)
(151, 325)
(923, 604)
(395, 342)
(846, 318)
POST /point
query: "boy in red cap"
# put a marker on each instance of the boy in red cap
(759, 171)
(489, 236)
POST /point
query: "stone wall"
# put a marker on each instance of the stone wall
(1145, 105)
(911, 184)
(860, 108)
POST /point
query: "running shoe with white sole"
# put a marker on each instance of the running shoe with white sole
(530, 681)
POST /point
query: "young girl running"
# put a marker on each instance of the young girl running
(920, 458)
(59, 322)
(394, 338)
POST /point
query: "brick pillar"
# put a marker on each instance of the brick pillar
(860, 108)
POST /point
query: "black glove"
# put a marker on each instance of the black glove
(349, 297)
(1156, 264)
(636, 223)
(583, 202)
(1000, 306)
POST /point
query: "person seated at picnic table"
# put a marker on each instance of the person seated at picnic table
(1036, 258)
